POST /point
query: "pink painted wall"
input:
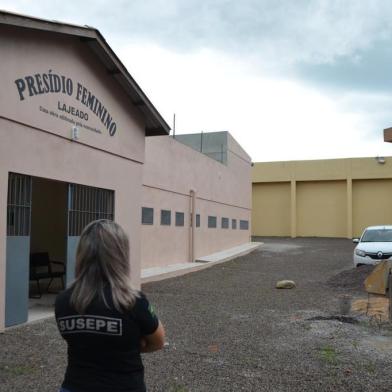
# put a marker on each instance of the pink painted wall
(37, 144)
(209, 240)
(171, 170)
(38, 53)
(163, 243)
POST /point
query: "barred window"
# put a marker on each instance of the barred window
(87, 204)
(147, 216)
(225, 223)
(244, 225)
(212, 222)
(165, 217)
(234, 224)
(18, 205)
(180, 219)
(197, 220)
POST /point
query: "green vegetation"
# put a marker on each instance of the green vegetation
(178, 388)
(329, 355)
(370, 368)
(17, 370)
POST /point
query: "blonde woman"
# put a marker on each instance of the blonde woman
(105, 322)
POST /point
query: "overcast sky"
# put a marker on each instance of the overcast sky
(288, 79)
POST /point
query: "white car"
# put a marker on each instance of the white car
(374, 245)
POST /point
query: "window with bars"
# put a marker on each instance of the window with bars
(212, 222)
(180, 219)
(244, 225)
(165, 217)
(18, 205)
(225, 223)
(87, 204)
(234, 224)
(147, 216)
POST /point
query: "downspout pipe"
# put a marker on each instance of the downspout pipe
(192, 194)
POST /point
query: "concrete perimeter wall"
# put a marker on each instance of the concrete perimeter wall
(322, 198)
(171, 171)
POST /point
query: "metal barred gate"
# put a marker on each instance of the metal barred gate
(18, 249)
(85, 204)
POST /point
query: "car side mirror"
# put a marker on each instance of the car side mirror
(356, 240)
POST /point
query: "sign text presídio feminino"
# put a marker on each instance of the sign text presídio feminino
(46, 83)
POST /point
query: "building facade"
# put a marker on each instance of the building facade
(80, 141)
(72, 140)
(321, 198)
(196, 201)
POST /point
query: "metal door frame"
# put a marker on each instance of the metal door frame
(19, 205)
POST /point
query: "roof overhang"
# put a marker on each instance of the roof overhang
(155, 124)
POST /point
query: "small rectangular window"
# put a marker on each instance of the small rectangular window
(165, 217)
(225, 223)
(234, 224)
(179, 219)
(212, 222)
(244, 225)
(197, 220)
(147, 216)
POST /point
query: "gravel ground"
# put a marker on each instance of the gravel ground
(229, 329)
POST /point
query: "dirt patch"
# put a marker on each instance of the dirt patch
(373, 306)
(352, 279)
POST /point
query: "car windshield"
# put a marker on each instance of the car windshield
(382, 235)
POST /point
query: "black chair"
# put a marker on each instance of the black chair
(41, 268)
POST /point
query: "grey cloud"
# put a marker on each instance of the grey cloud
(278, 32)
(286, 31)
(374, 107)
(332, 42)
(368, 70)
